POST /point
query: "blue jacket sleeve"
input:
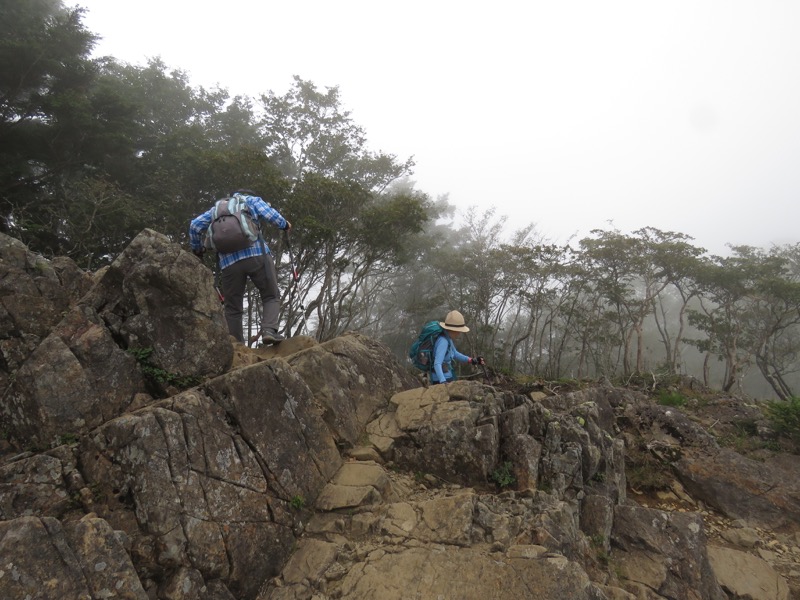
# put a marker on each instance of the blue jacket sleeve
(439, 352)
(460, 357)
(264, 211)
(197, 228)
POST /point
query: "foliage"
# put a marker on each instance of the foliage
(785, 416)
(748, 312)
(503, 475)
(350, 230)
(603, 557)
(307, 131)
(92, 151)
(45, 110)
(671, 398)
(598, 540)
(348, 242)
(297, 502)
(157, 374)
(68, 439)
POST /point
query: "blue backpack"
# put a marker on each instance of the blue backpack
(421, 352)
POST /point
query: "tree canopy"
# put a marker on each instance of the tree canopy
(93, 150)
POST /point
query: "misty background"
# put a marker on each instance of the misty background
(602, 191)
(571, 115)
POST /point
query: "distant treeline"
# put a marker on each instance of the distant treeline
(92, 151)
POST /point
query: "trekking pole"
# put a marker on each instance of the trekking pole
(295, 274)
(217, 282)
(486, 374)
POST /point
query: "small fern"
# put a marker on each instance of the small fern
(503, 475)
(159, 375)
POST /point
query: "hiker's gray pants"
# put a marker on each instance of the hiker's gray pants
(261, 271)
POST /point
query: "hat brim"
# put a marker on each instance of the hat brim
(461, 328)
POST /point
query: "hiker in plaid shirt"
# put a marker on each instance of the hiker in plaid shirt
(254, 262)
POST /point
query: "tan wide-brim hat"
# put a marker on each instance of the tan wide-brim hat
(454, 321)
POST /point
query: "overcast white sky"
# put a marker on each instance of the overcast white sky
(572, 115)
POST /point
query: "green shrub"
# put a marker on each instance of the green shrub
(159, 375)
(669, 398)
(503, 476)
(68, 439)
(785, 416)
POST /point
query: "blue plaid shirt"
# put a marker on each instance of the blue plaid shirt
(260, 211)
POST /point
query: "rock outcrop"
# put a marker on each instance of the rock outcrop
(149, 456)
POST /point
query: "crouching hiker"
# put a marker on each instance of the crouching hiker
(231, 228)
(444, 349)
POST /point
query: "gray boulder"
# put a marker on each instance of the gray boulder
(665, 553)
(159, 297)
(43, 559)
(153, 298)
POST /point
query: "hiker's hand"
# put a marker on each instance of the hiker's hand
(288, 227)
(199, 253)
(478, 360)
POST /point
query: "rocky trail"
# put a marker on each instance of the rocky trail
(376, 522)
(146, 456)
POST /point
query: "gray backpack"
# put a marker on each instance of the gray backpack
(232, 226)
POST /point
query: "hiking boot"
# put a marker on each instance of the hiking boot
(272, 337)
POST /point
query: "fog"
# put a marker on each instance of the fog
(571, 115)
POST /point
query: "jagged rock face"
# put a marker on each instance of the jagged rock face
(212, 474)
(380, 537)
(449, 431)
(325, 470)
(663, 552)
(279, 418)
(350, 384)
(762, 492)
(33, 485)
(541, 542)
(68, 373)
(77, 378)
(466, 573)
(154, 296)
(746, 576)
(206, 485)
(189, 492)
(87, 559)
(34, 294)
(403, 543)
